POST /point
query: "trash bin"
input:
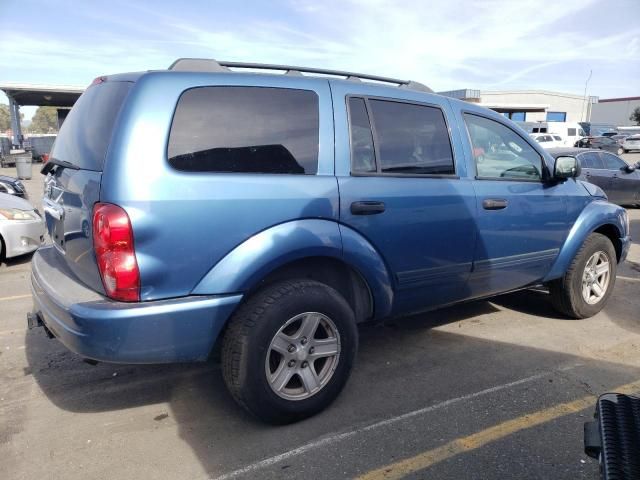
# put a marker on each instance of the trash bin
(23, 166)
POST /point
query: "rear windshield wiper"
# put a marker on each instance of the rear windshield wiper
(54, 162)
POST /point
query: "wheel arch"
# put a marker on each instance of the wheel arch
(322, 250)
(598, 217)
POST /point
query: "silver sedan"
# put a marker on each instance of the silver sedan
(21, 226)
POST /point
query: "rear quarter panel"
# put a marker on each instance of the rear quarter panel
(183, 222)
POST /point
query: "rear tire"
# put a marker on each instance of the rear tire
(588, 282)
(274, 334)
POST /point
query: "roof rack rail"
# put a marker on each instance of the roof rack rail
(211, 65)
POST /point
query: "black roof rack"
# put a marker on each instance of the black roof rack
(211, 65)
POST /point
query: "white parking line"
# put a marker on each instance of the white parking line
(341, 436)
(628, 279)
(15, 297)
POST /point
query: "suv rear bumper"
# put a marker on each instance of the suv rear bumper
(176, 330)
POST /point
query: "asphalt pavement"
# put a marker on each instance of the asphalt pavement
(489, 389)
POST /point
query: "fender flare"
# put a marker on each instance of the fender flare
(595, 215)
(252, 260)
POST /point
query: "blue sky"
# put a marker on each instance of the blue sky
(489, 45)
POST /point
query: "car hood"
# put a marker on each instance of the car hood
(593, 190)
(11, 201)
(6, 178)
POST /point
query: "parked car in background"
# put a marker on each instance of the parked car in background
(619, 180)
(21, 226)
(631, 143)
(548, 140)
(41, 146)
(283, 210)
(606, 143)
(13, 186)
(620, 137)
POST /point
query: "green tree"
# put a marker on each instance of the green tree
(45, 120)
(635, 116)
(5, 119)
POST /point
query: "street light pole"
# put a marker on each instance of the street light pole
(584, 102)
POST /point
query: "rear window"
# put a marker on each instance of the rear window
(85, 134)
(245, 130)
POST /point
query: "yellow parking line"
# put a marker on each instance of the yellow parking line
(15, 297)
(471, 442)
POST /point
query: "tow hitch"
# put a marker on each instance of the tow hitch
(34, 320)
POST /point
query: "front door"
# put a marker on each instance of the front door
(522, 221)
(402, 192)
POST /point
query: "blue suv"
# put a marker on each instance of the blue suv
(268, 214)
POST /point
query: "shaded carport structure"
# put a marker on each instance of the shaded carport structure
(60, 96)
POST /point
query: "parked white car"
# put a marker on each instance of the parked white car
(548, 140)
(631, 143)
(21, 227)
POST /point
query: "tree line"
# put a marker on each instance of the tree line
(45, 120)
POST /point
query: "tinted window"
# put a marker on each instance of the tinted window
(571, 132)
(500, 152)
(558, 139)
(411, 138)
(590, 160)
(556, 116)
(85, 134)
(612, 162)
(363, 156)
(245, 129)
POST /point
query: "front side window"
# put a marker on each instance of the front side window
(245, 130)
(501, 153)
(411, 138)
(612, 162)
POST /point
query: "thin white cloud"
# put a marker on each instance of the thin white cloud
(446, 45)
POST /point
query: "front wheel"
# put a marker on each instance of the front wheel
(288, 351)
(587, 285)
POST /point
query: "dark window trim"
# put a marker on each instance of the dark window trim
(543, 164)
(207, 172)
(379, 172)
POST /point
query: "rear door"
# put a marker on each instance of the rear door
(72, 185)
(401, 188)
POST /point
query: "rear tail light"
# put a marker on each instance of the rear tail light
(45, 157)
(113, 245)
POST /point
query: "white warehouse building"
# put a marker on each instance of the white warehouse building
(531, 105)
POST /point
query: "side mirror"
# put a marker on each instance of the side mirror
(630, 168)
(566, 167)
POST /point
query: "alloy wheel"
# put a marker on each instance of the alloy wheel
(596, 277)
(302, 356)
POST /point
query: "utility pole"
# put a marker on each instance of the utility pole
(584, 102)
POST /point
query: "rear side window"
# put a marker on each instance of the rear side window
(362, 152)
(590, 160)
(245, 130)
(85, 134)
(411, 138)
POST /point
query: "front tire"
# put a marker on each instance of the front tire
(588, 283)
(288, 351)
